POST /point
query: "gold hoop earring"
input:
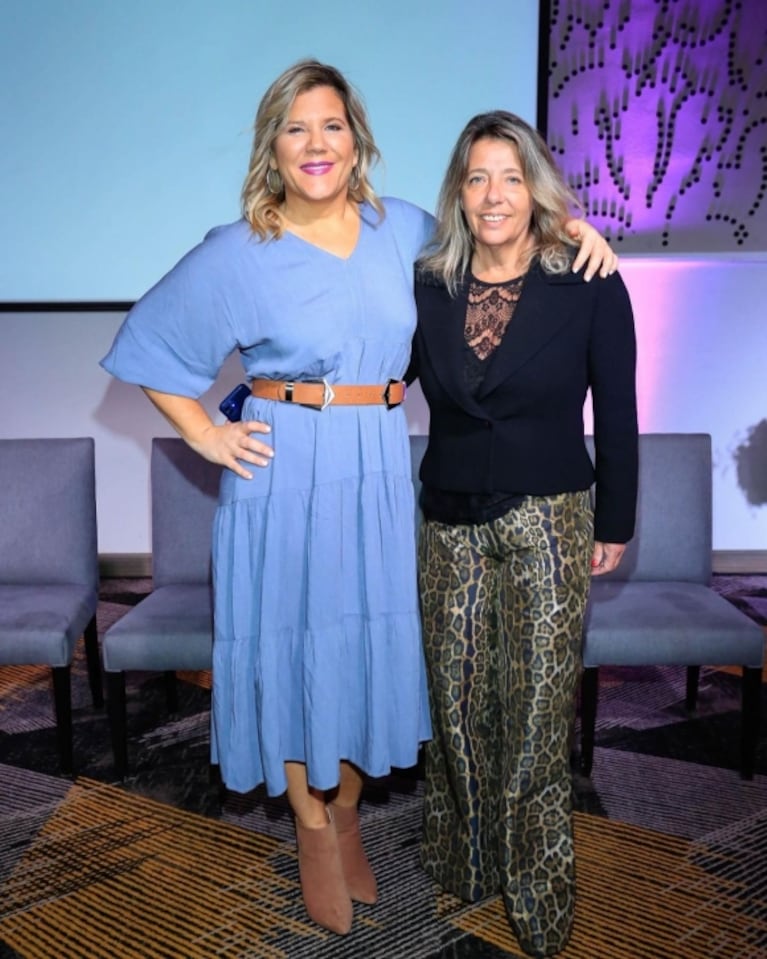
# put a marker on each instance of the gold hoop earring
(354, 179)
(274, 187)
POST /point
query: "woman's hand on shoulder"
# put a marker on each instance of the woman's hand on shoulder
(606, 557)
(594, 252)
(231, 444)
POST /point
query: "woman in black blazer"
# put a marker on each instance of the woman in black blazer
(509, 342)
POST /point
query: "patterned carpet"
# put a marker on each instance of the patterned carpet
(671, 844)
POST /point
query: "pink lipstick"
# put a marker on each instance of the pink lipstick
(316, 169)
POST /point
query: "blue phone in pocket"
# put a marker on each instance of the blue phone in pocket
(231, 405)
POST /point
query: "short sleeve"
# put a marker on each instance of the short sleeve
(177, 336)
(413, 226)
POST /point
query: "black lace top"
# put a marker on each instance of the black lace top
(489, 310)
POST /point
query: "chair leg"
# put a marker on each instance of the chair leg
(691, 695)
(217, 783)
(171, 691)
(94, 664)
(62, 697)
(752, 697)
(589, 698)
(117, 721)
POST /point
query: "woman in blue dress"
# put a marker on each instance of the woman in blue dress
(318, 673)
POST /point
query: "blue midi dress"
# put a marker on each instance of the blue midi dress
(317, 653)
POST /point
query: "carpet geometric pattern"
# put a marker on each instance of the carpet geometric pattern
(111, 873)
(671, 845)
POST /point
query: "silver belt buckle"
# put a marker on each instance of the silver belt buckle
(327, 395)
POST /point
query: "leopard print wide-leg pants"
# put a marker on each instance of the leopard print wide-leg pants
(502, 605)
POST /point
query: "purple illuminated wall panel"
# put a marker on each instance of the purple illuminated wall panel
(657, 113)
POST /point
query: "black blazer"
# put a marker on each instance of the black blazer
(523, 432)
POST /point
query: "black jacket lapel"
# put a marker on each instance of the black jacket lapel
(442, 319)
(543, 309)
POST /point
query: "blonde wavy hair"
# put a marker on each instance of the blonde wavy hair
(448, 256)
(260, 207)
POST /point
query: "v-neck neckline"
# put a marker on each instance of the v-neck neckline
(330, 253)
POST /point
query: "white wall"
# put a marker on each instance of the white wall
(702, 349)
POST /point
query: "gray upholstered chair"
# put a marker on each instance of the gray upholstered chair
(657, 607)
(171, 628)
(49, 577)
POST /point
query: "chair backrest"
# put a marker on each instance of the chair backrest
(184, 497)
(48, 512)
(673, 529)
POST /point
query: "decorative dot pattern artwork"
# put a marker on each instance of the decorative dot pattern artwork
(657, 113)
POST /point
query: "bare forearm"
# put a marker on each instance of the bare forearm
(227, 443)
(187, 416)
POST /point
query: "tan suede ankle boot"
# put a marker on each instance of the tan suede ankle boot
(360, 880)
(323, 885)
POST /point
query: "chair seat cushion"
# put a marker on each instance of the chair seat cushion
(667, 623)
(171, 628)
(40, 624)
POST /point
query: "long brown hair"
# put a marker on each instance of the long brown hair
(449, 255)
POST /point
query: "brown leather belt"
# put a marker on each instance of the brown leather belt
(319, 393)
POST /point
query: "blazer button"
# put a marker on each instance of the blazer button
(488, 424)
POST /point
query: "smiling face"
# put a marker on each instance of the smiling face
(314, 151)
(496, 201)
